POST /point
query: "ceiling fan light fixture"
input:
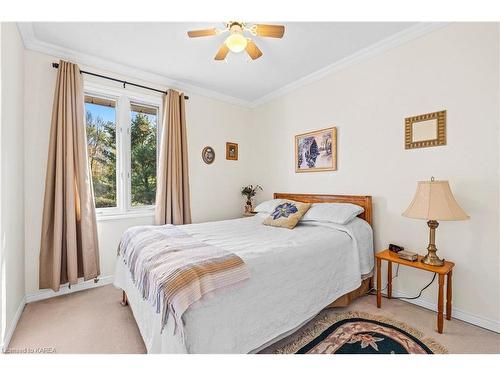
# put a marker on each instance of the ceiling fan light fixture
(236, 42)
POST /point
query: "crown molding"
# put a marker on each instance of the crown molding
(31, 42)
(378, 48)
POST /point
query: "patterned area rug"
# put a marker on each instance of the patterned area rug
(361, 333)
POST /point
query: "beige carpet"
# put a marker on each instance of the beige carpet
(90, 321)
(93, 321)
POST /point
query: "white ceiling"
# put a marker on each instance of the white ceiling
(164, 49)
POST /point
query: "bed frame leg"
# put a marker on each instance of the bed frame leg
(124, 301)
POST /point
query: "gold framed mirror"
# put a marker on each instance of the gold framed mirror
(426, 130)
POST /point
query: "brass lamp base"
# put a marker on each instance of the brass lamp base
(431, 258)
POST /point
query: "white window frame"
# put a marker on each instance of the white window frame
(123, 98)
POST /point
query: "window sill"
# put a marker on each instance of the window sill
(124, 216)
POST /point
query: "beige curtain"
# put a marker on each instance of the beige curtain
(69, 246)
(172, 191)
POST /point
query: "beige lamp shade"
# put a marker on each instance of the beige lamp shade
(434, 201)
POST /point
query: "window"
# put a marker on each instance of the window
(100, 116)
(122, 139)
(143, 140)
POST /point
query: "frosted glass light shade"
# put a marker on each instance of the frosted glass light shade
(434, 201)
(236, 42)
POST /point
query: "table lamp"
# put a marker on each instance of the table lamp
(434, 201)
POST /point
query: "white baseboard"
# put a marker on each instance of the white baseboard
(12, 327)
(476, 320)
(48, 293)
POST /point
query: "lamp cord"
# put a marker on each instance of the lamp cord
(373, 291)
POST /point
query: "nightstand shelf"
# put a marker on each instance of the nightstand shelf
(442, 271)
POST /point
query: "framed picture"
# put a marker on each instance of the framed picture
(426, 130)
(231, 151)
(208, 155)
(316, 151)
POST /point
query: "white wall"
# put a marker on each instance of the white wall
(455, 68)
(12, 179)
(2, 256)
(214, 188)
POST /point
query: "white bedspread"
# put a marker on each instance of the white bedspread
(294, 274)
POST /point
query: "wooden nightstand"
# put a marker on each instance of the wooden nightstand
(249, 214)
(444, 270)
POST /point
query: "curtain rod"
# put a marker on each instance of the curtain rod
(56, 65)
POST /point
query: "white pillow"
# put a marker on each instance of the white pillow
(268, 206)
(339, 213)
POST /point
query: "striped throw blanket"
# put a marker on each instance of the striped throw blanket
(173, 270)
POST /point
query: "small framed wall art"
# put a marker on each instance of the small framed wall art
(208, 155)
(316, 151)
(426, 130)
(231, 151)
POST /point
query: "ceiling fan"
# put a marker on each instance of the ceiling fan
(237, 41)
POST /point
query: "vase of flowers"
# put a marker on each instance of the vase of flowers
(249, 192)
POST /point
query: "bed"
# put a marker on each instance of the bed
(294, 275)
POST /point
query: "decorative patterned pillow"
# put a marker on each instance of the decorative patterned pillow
(287, 214)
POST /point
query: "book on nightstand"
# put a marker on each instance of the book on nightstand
(408, 255)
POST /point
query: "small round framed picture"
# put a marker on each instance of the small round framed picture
(208, 155)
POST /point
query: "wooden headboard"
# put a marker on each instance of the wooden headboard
(364, 201)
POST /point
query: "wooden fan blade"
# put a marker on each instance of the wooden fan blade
(205, 32)
(273, 31)
(222, 52)
(253, 51)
